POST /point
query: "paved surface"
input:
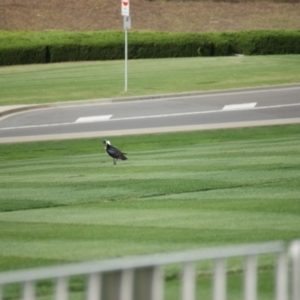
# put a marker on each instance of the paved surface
(160, 113)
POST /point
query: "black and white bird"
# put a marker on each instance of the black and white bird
(114, 152)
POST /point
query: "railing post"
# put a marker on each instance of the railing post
(281, 283)
(126, 289)
(188, 282)
(28, 290)
(157, 283)
(61, 288)
(250, 278)
(295, 261)
(94, 287)
(219, 280)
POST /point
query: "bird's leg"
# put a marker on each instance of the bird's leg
(114, 161)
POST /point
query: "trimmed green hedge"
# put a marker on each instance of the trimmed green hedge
(266, 42)
(27, 47)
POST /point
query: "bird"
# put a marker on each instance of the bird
(114, 152)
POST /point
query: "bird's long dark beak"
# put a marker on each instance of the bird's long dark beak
(104, 142)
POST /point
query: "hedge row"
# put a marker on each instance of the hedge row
(56, 46)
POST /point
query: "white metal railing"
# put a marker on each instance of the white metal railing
(142, 278)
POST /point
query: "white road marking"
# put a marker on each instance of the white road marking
(240, 106)
(154, 116)
(93, 119)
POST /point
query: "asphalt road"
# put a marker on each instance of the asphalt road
(226, 109)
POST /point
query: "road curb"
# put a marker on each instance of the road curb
(8, 110)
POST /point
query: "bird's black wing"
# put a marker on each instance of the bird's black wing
(115, 153)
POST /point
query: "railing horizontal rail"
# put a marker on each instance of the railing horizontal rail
(86, 268)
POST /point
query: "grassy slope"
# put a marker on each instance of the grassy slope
(224, 187)
(94, 80)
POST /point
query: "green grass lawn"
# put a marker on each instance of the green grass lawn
(33, 84)
(64, 201)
